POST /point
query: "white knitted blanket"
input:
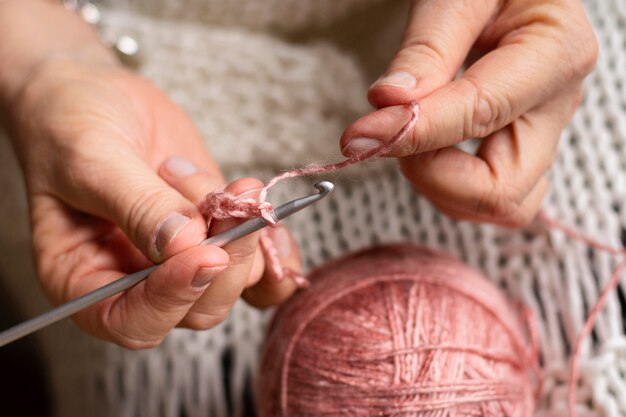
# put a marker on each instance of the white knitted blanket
(271, 84)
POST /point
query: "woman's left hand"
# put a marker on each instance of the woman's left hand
(517, 97)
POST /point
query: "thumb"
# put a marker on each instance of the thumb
(142, 316)
(437, 39)
(156, 218)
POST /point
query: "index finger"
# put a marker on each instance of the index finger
(531, 66)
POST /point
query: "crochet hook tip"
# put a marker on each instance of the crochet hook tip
(285, 210)
(66, 310)
(324, 187)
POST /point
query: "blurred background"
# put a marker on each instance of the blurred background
(23, 379)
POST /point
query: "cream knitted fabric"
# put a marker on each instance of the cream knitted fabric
(281, 16)
(268, 95)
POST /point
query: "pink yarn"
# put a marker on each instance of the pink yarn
(360, 157)
(223, 205)
(397, 331)
(595, 310)
(273, 262)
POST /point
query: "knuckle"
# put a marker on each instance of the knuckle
(136, 344)
(589, 55)
(205, 321)
(78, 166)
(422, 139)
(139, 212)
(243, 253)
(519, 219)
(582, 50)
(164, 302)
(427, 51)
(502, 203)
(582, 60)
(125, 338)
(487, 112)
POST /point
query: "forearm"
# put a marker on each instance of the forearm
(36, 32)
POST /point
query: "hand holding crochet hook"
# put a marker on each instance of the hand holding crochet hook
(200, 280)
(116, 174)
(137, 312)
(525, 64)
(116, 171)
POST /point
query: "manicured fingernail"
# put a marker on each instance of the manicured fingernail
(400, 79)
(358, 146)
(282, 242)
(169, 228)
(204, 276)
(180, 167)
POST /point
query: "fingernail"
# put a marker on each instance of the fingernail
(180, 167)
(169, 228)
(358, 146)
(282, 242)
(204, 276)
(400, 79)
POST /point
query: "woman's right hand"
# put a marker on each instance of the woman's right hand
(115, 174)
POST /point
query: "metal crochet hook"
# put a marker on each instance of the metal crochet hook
(65, 310)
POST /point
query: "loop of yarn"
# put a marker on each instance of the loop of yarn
(273, 262)
(227, 205)
(223, 205)
(396, 331)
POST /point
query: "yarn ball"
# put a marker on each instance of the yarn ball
(397, 331)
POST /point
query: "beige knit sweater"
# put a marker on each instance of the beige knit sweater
(271, 84)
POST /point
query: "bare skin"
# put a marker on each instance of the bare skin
(115, 171)
(517, 98)
(115, 174)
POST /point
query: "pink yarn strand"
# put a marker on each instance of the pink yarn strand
(223, 205)
(595, 310)
(274, 264)
(552, 223)
(374, 153)
(529, 318)
(585, 332)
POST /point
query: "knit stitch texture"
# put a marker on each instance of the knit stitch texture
(271, 85)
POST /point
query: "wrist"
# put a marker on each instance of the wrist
(38, 34)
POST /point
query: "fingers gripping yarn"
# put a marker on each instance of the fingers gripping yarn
(223, 205)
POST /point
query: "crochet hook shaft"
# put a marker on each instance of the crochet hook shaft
(65, 310)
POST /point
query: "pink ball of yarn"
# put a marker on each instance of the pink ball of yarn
(397, 331)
